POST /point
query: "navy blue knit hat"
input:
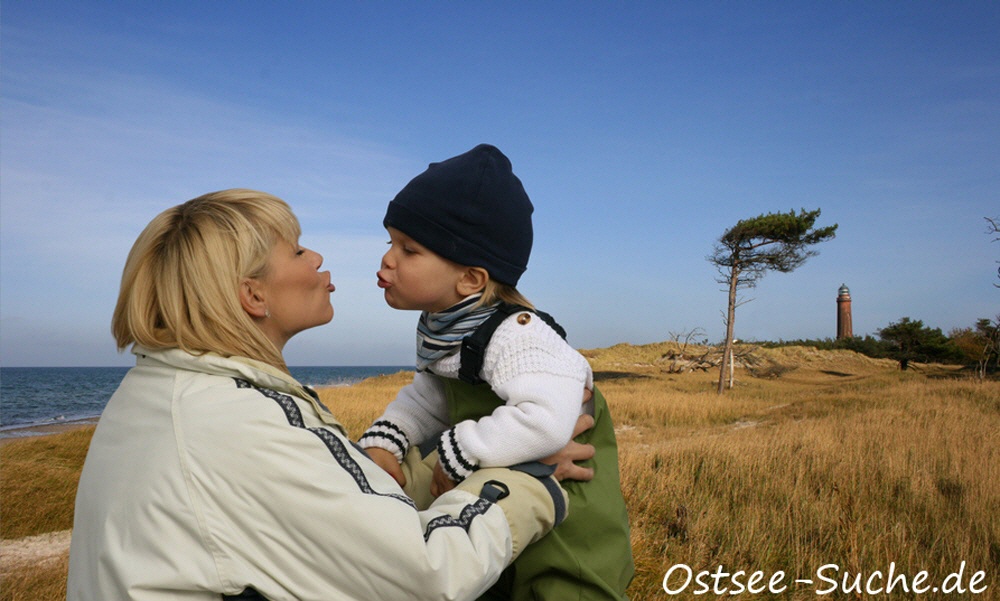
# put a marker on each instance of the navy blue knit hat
(470, 209)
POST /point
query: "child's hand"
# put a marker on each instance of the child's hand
(387, 461)
(441, 482)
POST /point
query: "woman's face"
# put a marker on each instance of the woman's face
(295, 292)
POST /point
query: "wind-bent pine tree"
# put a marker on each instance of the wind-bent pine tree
(752, 247)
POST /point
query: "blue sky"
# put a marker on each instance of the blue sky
(641, 131)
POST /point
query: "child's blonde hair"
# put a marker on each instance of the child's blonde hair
(180, 285)
(495, 292)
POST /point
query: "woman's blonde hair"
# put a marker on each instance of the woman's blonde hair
(180, 286)
(495, 292)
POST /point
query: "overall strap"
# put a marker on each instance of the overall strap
(474, 345)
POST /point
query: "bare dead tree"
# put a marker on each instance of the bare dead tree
(679, 360)
(676, 337)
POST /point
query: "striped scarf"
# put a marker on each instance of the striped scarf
(440, 334)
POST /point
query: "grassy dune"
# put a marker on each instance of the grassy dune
(842, 460)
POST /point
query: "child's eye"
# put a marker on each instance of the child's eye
(300, 251)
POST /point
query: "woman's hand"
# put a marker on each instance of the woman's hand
(565, 459)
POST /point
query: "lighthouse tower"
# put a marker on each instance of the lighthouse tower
(844, 328)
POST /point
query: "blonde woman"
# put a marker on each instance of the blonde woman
(214, 474)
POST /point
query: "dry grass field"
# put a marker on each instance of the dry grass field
(843, 462)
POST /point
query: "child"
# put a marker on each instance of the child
(496, 383)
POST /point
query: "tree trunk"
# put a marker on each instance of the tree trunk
(727, 349)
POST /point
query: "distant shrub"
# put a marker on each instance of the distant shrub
(867, 345)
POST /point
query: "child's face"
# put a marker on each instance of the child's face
(416, 278)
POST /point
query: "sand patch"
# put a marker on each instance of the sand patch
(36, 550)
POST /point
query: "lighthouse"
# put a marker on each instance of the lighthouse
(844, 328)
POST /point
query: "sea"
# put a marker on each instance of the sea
(42, 396)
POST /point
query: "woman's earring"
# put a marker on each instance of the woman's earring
(267, 312)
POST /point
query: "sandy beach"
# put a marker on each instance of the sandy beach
(33, 550)
(20, 433)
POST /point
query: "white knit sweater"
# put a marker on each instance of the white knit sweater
(528, 365)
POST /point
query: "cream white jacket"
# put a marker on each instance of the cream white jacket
(208, 475)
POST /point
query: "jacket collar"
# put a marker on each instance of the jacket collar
(256, 372)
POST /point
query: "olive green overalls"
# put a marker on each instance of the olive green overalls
(589, 555)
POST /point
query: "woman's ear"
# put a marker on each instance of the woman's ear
(473, 280)
(251, 299)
